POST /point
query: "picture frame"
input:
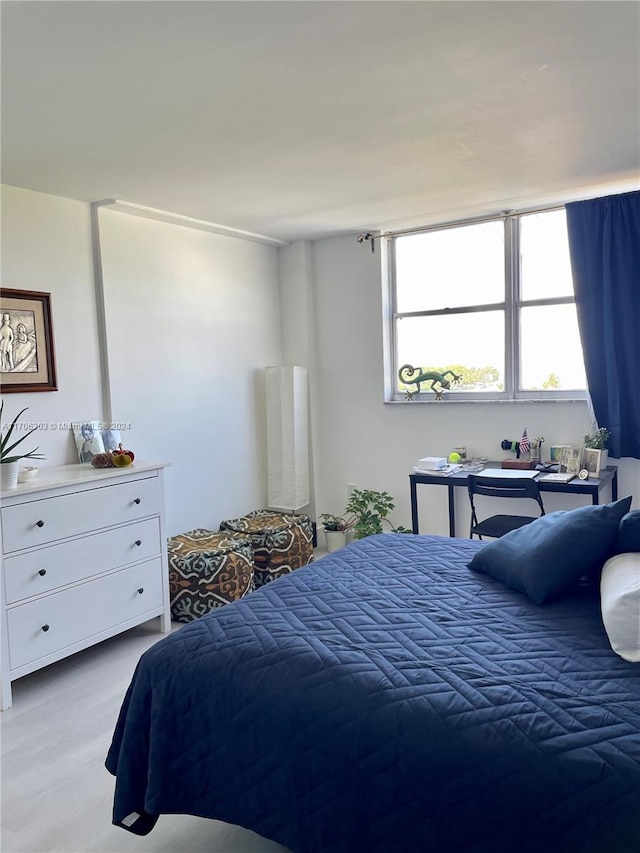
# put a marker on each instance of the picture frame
(570, 461)
(88, 437)
(27, 354)
(556, 451)
(111, 438)
(93, 437)
(592, 461)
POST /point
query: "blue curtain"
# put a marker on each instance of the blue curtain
(604, 243)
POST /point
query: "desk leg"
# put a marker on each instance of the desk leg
(414, 507)
(614, 490)
(452, 511)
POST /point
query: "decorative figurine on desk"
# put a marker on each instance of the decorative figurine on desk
(407, 371)
(521, 448)
(513, 446)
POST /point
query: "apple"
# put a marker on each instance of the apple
(122, 452)
(121, 460)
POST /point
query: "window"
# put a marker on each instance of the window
(492, 303)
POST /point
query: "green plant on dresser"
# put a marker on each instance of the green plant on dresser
(6, 454)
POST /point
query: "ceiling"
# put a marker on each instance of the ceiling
(300, 120)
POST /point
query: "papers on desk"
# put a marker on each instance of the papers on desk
(510, 473)
(441, 472)
(557, 478)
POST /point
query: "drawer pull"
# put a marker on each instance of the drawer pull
(45, 628)
(138, 542)
(42, 572)
(40, 523)
(140, 590)
(136, 500)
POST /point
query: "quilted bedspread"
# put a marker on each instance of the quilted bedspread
(386, 699)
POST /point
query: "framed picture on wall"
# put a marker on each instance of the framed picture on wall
(592, 461)
(27, 358)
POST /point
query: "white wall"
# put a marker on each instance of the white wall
(192, 319)
(46, 246)
(373, 445)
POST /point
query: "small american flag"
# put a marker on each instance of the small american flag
(525, 444)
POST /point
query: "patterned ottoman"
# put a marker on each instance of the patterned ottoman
(281, 542)
(207, 570)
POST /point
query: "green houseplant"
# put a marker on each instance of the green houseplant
(335, 530)
(9, 457)
(333, 523)
(367, 512)
(598, 439)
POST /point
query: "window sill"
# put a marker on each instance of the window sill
(449, 401)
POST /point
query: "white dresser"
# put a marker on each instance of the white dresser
(84, 557)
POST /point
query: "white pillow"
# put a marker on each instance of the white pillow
(620, 604)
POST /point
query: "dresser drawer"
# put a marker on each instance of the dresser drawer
(40, 521)
(47, 625)
(44, 569)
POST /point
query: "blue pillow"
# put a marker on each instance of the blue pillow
(546, 557)
(629, 533)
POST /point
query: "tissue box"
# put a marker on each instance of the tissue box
(432, 463)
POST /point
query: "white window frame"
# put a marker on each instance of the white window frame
(511, 306)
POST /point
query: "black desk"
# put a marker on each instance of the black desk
(591, 487)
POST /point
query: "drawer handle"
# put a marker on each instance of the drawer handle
(138, 542)
(140, 590)
(40, 523)
(45, 628)
(42, 572)
(136, 500)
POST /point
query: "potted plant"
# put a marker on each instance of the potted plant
(335, 530)
(368, 512)
(597, 440)
(9, 458)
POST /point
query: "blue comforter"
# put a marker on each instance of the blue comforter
(386, 699)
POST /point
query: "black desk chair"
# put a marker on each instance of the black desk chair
(501, 487)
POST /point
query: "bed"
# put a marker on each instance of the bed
(388, 699)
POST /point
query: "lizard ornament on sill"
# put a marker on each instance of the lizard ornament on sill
(406, 375)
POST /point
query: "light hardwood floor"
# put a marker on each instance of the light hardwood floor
(56, 792)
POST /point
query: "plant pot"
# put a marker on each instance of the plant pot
(604, 459)
(9, 475)
(335, 539)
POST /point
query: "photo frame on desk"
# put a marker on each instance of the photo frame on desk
(570, 461)
(592, 461)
